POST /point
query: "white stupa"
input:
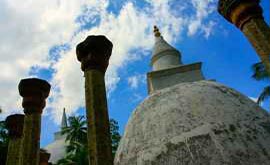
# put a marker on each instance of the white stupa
(187, 120)
(57, 148)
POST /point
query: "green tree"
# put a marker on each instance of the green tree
(76, 136)
(261, 74)
(76, 131)
(115, 135)
(67, 160)
(3, 142)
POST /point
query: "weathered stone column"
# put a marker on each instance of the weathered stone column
(15, 132)
(34, 92)
(94, 54)
(247, 16)
(44, 157)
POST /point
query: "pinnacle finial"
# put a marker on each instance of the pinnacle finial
(156, 31)
(64, 119)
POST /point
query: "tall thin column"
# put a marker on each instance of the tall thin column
(247, 16)
(44, 157)
(94, 54)
(34, 92)
(15, 132)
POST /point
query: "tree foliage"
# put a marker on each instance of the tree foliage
(76, 136)
(3, 142)
(259, 73)
(76, 131)
(115, 135)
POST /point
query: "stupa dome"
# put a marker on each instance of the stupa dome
(57, 148)
(201, 122)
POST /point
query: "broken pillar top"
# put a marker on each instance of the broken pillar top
(94, 52)
(34, 92)
(239, 12)
(14, 125)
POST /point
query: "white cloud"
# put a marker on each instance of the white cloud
(254, 99)
(135, 81)
(208, 29)
(30, 29)
(203, 9)
(135, 98)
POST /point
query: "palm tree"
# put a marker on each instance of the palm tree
(67, 160)
(261, 74)
(77, 139)
(76, 136)
(76, 131)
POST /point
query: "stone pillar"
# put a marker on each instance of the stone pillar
(44, 157)
(15, 131)
(94, 54)
(34, 92)
(247, 16)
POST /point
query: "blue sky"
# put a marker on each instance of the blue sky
(46, 40)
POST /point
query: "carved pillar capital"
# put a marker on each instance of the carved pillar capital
(94, 53)
(34, 92)
(239, 12)
(15, 125)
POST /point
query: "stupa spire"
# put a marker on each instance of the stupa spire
(167, 67)
(64, 119)
(164, 55)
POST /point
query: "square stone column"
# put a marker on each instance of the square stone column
(94, 54)
(34, 92)
(15, 132)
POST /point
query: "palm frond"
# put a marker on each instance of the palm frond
(264, 95)
(259, 72)
(76, 137)
(76, 131)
